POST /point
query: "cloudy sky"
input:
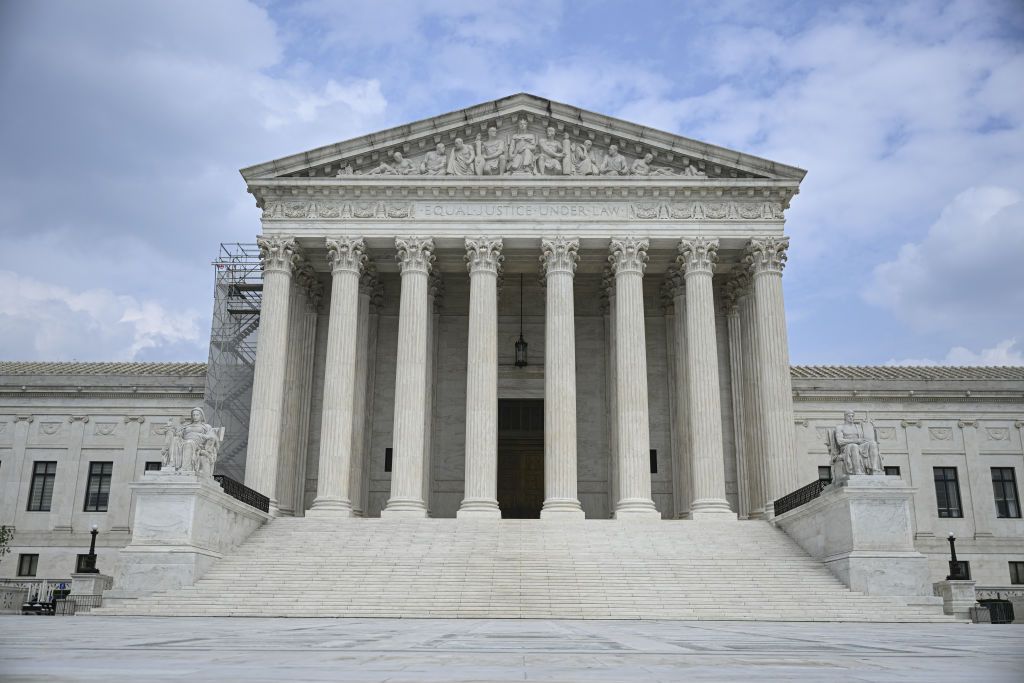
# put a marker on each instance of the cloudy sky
(124, 124)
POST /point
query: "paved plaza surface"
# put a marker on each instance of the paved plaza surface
(211, 648)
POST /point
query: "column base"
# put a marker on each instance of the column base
(562, 508)
(330, 507)
(479, 509)
(711, 509)
(404, 509)
(637, 508)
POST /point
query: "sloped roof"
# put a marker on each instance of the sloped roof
(908, 372)
(76, 368)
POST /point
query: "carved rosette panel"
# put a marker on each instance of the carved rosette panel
(558, 255)
(698, 255)
(278, 253)
(940, 433)
(415, 254)
(998, 433)
(628, 254)
(483, 255)
(346, 254)
(104, 428)
(766, 255)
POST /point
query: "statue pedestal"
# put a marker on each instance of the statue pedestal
(958, 597)
(862, 532)
(183, 524)
(89, 584)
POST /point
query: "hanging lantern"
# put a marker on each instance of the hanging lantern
(521, 344)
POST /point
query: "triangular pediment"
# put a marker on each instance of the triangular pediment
(523, 136)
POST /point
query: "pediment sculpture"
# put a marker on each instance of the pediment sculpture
(192, 445)
(853, 448)
(521, 152)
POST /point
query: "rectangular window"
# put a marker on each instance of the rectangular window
(654, 461)
(947, 492)
(1016, 572)
(1004, 488)
(824, 473)
(387, 459)
(153, 466)
(27, 565)
(892, 470)
(40, 495)
(97, 491)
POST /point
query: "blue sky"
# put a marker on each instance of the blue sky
(124, 125)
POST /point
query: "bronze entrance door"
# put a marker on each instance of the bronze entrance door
(520, 458)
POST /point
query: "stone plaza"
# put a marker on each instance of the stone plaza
(520, 360)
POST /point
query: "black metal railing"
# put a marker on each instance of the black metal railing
(804, 494)
(240, 491)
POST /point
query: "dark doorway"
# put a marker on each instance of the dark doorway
(520, 458)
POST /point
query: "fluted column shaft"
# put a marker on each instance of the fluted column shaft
(766, 259)
(681, 417)
(751, 408)
(483, 258)
(265, 414)
(347, 259)
(697, 258)
(415, 256)
(629, 258)
(732, 313)
(558, 264)
(367, 284)
(608, 285)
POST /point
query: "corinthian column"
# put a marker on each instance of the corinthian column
(415, 256)
(367, 285)
(629, 258)
(279, 255)
(696, 259)
(676, 287)
(766, 257)
(483, 257)
(731, 302)
(558, 264)
(347, 258)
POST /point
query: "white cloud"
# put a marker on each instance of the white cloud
(42, 320)
(1003, 353)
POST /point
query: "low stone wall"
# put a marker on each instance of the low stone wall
(863, 534)
(11, 599)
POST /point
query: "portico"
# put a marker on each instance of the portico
(652, 306)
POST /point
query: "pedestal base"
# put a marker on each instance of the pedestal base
(562, 508)
(958, 597)
(636, 509)
(404, 509)
(479, 509)
(330, 508)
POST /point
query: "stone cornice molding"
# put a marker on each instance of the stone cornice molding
(279, 253)
(766, 255)
(628, 254)
(697, 256)
(558, 255)
(414, 254)
(346, 255)
(483, 255)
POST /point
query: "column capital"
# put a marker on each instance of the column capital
(766, 255)
(435, 290)
(628, 254)
(415, 254)
(278, 253)
(735, 289)
(559, 255)
(606, 290)
(368, 280)
(346, 254)
(698, 255)
(483, 255)
(307, 279)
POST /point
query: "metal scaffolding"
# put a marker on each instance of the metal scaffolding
(237, 295)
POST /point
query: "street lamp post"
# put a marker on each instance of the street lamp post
(90, 559)
(956, 572)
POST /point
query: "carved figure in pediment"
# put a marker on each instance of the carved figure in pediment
(347, 170)
(435, 162)
(402, 166)
(853, 447)
(192, 446)
(552, 154)
(644, 167)
(523, 151)
(614, 163)
(692, 171)
(461, 160)
(583, 162)
(491, 154)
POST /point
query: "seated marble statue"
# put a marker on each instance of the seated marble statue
(643, 167)
(692, 171)
(583, 162)
(435, 162)
(192, 446)
(614, 163)
(491, 154)
(552, 154)
(461, 161)
(853, 448)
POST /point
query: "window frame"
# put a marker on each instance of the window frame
(1004, 486)
(33, 559)
(897, 473)
(825, 469)
(1016, 567)
(949, 485)
(44, 482)
(98, 476)
(146, 467)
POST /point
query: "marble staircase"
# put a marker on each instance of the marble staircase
(587, 569)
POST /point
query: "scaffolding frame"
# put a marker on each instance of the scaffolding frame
(237, 298)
